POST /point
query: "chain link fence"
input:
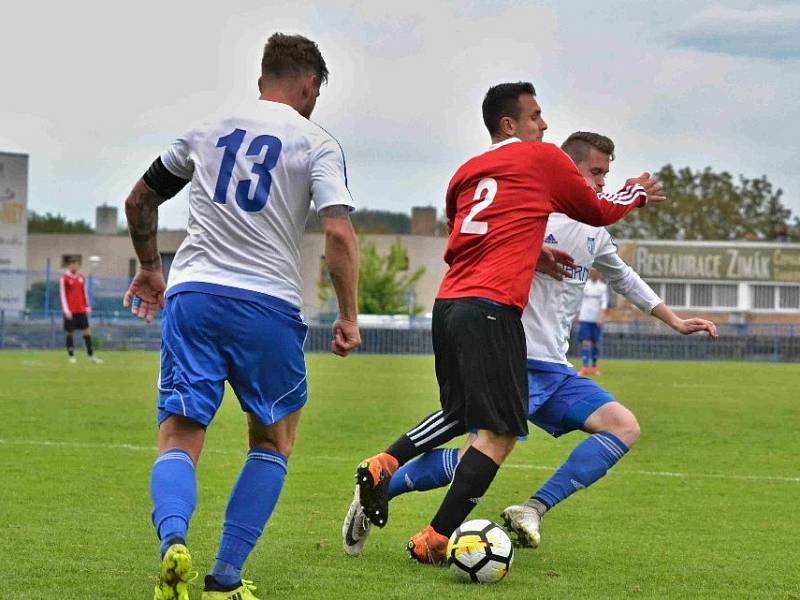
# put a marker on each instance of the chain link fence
(650, 340)
(39, 326)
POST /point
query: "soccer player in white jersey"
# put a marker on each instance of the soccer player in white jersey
(232, 305)
(590, 321)
(560, 401)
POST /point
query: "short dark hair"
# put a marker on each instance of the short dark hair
(579, 143)
(292, 55)
(502, 100)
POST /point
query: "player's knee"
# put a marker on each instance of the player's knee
(623, 424)
(495, 446)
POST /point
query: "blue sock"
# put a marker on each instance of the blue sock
(432, 470)
(587, 463)
(586, 355)
(595, 355)
(252, 501)
(174, 492)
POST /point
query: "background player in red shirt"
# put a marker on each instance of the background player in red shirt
(76, 307)
(497, 208)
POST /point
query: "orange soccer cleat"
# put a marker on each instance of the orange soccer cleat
(584, 371)
(372, 477)
(428, 547)
(595, 371)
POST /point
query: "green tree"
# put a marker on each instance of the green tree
(50, 223)
(383, 281)
(34, 298)
(704, 205)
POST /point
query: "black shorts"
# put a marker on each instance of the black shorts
(481, 365)
(78, 321)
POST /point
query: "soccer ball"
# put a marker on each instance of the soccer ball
(480, 551)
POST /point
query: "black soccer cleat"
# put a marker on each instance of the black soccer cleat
(373, 487)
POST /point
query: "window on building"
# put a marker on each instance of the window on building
(657, 286)
(675, 294)
(726, 296)
(701, 295)
(764, 297)
(789, 297)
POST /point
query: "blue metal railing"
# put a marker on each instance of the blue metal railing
(118, 330)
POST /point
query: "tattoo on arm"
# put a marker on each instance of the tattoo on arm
(337, 211)
(141, 209)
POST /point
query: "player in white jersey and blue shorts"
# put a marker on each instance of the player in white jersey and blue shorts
(560, 401)
(590, 320)
(232, 304)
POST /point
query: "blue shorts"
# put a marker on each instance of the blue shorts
(560, 400)
(590, 332)
(211, 334)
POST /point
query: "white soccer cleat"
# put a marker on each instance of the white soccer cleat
(355, 528)
(95, 361)
(525, 521)
(72, 360)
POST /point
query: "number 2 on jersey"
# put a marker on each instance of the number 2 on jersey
(470, 225)
(232, 142)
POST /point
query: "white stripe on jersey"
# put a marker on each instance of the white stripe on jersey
(626, 196)
(254, 176)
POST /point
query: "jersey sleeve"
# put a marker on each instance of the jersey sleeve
(573, 196)
(177, 160)
(329, 177)
(86, 298)
(62, 292)
(624, 280)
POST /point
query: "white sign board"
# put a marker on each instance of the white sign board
(13, 229)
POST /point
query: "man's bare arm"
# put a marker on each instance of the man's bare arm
(146, 292)
(141, 209)
(341, 256)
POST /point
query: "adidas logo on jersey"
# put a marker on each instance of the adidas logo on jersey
(550, 239)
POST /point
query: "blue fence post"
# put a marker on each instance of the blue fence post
(47, 289)
(52, 331)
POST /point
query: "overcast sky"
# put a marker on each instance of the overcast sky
(93, 91)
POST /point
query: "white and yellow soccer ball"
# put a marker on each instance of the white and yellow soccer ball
(480, 551)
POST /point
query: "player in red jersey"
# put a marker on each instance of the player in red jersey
(497, 208)
(76, 307)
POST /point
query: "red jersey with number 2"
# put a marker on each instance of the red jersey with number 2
(497, 209)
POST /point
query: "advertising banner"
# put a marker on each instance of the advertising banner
(710, 262)
(13, 229)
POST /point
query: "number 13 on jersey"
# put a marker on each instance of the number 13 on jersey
(470, 225)
(232, 142)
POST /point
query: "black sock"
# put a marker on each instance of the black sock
(70, 345)
(87, 339)
(433, 431)
(212, 585)
(474, 474)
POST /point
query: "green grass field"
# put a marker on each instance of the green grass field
(705, 506)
